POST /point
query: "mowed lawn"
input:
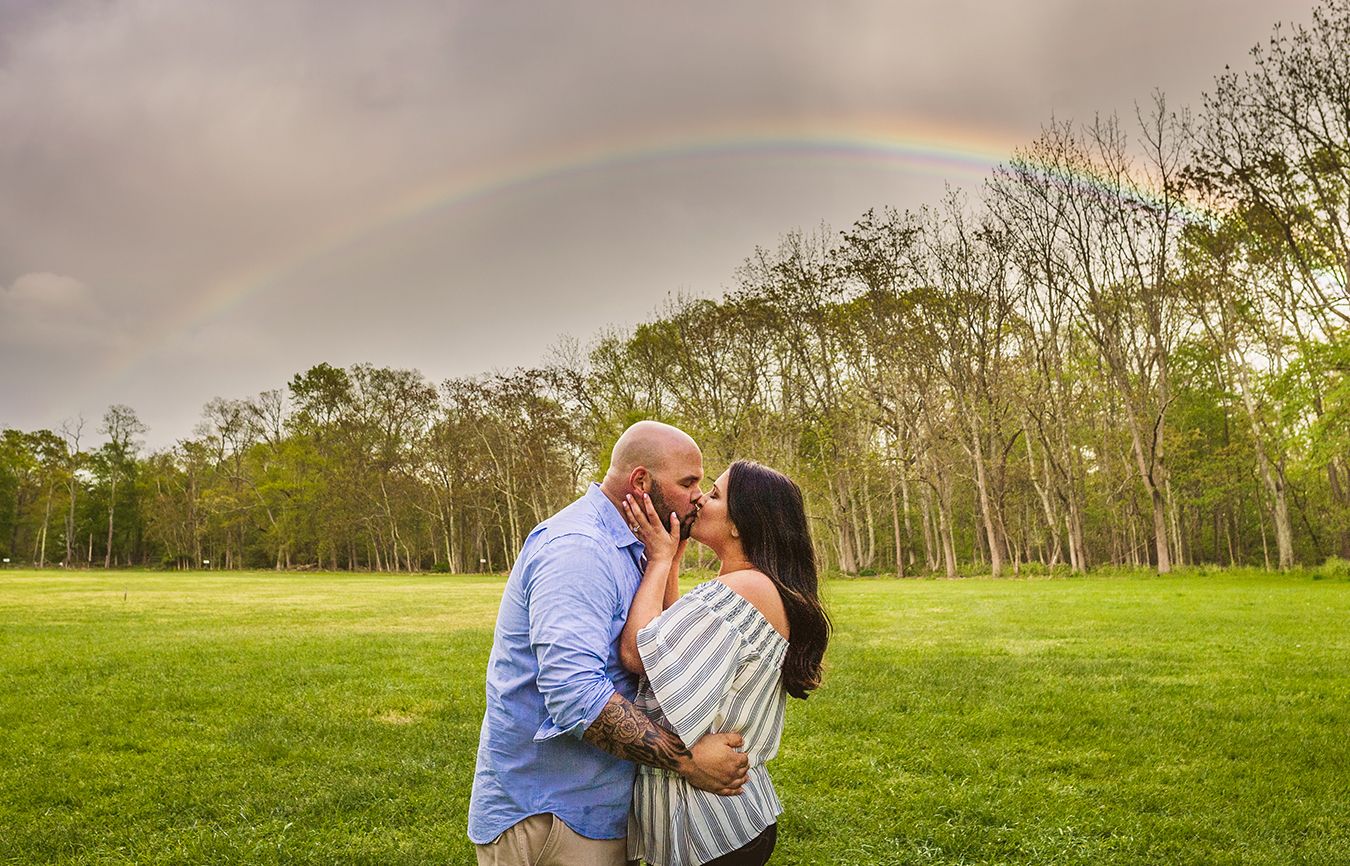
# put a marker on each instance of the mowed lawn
(265, 718)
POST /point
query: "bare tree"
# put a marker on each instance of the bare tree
(1274, 142)
(121, 426)
(71, 432)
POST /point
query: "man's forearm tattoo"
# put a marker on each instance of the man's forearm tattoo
(623, 730)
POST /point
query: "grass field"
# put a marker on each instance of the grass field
(262, 718)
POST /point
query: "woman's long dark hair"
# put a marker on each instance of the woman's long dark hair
(767, 510)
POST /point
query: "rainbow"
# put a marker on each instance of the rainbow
(948, 152)
(1132, 194)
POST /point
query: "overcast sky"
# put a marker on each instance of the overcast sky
(201, 199)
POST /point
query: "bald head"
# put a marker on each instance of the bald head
(661, 461)
(650, 445)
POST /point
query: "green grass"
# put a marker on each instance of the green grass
(261, 718)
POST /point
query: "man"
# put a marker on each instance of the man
(554, 780)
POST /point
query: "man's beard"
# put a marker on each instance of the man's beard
(663, 509)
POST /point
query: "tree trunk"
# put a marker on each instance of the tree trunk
(1042, 481)
(70, 526)
(869, 552)
(931, 557)
(1272, 477)
(992, 535)
(18, 520)
(945, 531)
(844, 546)
(904, 504)
(1132, 539)
(506, 549)
(1265, 547)
(1148, 465)
(1228, 533)
(112, 507)
(1174, 523)
(1074, 563)
(899, 540)
(41, 556)
(943, 491)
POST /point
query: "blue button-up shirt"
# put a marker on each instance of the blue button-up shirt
(554, 665)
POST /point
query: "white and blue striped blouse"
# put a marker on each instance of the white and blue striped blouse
(714, 664)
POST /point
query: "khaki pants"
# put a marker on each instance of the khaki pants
(544, 840)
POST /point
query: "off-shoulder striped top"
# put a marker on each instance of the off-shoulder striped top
(714, 664)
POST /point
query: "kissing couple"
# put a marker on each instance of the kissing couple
(628, 723)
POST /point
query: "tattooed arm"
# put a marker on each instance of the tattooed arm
(713, 764)
(570, 615)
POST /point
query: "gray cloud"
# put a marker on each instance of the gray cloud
(158, 149)
(38, 306)
(52, 328)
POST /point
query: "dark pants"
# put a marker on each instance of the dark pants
(753, 853)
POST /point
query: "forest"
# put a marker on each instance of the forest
(1129, 347)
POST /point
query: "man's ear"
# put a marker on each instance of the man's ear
(640, 479)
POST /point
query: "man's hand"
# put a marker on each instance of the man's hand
(715, 764)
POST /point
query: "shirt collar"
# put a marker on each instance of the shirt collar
(613, 524)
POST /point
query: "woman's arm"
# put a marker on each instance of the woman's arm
(660, 582)
(647, 606)
(673, 581)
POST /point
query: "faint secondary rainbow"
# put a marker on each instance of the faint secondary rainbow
(951, 153)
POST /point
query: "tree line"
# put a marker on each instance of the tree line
(1128, 347)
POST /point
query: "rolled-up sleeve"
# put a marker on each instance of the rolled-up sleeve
(572, 605)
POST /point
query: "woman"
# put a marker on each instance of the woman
(722, 658)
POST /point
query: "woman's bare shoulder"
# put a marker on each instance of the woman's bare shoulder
(756, 587)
